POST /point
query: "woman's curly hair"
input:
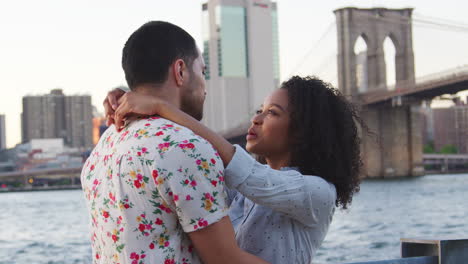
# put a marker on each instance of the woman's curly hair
(324, 135)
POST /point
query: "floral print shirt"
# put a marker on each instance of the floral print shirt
(146, 187)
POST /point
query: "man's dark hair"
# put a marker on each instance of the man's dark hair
(324, 129)
(152, 48)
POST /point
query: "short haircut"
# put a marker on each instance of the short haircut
(152, 48)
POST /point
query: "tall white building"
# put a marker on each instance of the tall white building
(240, 43)
(2, 132)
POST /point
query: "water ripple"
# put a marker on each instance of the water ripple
(52, 227)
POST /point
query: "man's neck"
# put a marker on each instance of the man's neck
(167, 93)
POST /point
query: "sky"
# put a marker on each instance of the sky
(76, 45)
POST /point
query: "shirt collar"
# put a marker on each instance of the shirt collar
(289, 168)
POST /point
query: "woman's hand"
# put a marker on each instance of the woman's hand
(120, 105)
(132, 103)
(111, 104)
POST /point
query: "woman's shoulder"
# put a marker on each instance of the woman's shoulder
(320, 188)
(316, 186)
(310, 181)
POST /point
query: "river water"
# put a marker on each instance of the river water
(52, 227)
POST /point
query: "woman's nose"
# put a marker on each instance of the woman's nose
(257, 119)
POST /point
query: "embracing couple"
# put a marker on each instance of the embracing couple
(163, 188)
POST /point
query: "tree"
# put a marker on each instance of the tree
(448, 149)
(429, 148)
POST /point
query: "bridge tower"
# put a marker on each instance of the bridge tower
(398, 150)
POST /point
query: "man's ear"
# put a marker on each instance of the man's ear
(180, 71)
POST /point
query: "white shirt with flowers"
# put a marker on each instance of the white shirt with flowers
(146, 187)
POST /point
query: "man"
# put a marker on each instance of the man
(155, 190)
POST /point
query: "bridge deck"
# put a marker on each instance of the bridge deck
(425, 88)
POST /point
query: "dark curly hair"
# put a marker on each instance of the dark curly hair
(325, 137)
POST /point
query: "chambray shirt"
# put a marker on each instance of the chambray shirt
(280, 216)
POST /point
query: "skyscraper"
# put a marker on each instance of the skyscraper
(38, 117)
(79, 121)
(451, 128)
(55, 115)
(240, 43)
(446, 128)
(2, 132)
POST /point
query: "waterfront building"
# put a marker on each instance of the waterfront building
(241, 52)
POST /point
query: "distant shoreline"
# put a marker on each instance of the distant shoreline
(40, 188)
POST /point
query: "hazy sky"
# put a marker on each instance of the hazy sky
(76, 45)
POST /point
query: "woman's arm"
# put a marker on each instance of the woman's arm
(307, 199)
(288, 192)
(134, 103)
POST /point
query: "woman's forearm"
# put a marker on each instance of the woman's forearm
(225, 149)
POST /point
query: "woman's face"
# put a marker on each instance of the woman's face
(268, 134)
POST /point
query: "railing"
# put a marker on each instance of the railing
(424, 251)
(415, 260)
(445, 163)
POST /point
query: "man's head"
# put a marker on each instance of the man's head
(160, 53)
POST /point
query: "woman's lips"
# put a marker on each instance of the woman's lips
(251, 135)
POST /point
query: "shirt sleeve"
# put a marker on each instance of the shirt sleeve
(231, 195)
(304, 198)
(192, 182)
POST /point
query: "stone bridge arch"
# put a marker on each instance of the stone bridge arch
(374, 25)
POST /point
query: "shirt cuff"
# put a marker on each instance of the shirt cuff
(203, 222)
(239, 169)
(124, 88)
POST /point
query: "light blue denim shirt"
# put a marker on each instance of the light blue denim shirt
(280, 216)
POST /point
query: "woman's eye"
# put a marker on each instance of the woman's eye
(258, 112)
(272, 112)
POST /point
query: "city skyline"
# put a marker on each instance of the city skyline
(49, 45)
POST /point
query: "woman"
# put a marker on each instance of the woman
(306, 133)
